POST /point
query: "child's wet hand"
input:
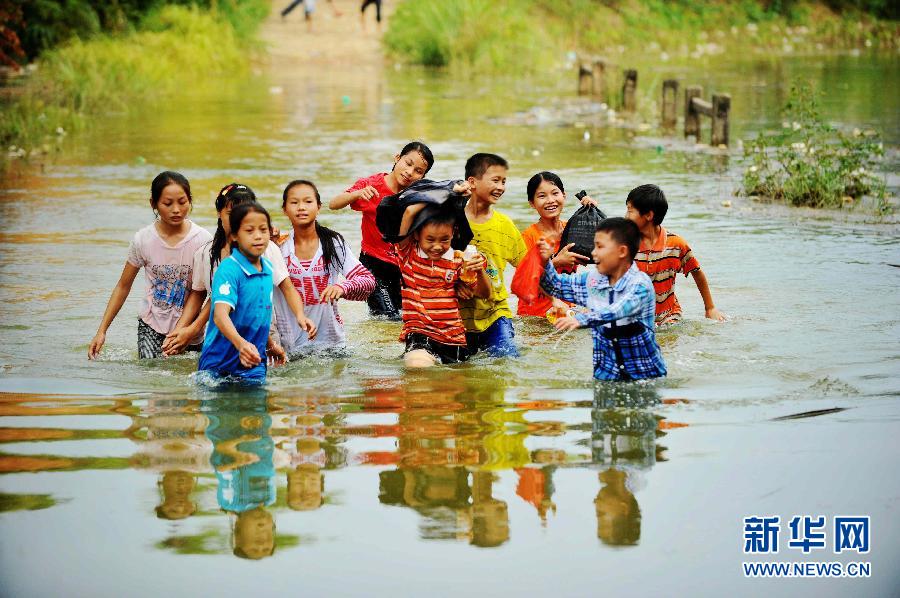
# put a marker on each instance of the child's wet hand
(275, 354)
(96, 344)
(545, 249)
(331, 293)
(249, 355)
(587, 200)
(307, 325)
(366, 193)
(569, 259)
(475, 264)
(175, 342)
(567, 323)
(462, 188)
(714, 314)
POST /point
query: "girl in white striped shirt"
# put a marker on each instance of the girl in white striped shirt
(322, 268)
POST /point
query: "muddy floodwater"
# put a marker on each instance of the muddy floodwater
(352, 476)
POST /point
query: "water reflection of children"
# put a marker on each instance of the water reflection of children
(618, 513)
(176, 488)
(623, 437)
(242, 458)
(440, 494)
(535, 485)
(490, 516)
(305, 487)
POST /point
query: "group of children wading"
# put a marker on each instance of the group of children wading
(244, 298)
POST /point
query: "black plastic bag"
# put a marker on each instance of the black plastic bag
(440, 197)
(580, 229)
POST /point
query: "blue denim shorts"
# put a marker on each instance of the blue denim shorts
(497, 340)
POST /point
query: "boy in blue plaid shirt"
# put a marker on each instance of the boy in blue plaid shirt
(621, 303)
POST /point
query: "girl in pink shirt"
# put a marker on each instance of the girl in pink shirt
(165, 250)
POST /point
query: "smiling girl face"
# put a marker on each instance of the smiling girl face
(548, 200)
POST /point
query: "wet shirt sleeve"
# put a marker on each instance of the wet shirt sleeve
(518, 249)
(568, 287)
(279, 267)
(688, 262)
(629, 303)
(200, 270)
(136, 255)
(225, 285)
(358, 282)
(361, 205)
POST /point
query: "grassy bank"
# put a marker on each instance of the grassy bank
(532, 35)
(169, 49)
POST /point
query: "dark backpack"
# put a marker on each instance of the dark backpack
(581, 227)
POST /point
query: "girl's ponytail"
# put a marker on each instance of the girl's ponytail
(329, 240)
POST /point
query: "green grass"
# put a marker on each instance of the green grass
(810, 163)
(532, 35)
(173, 48)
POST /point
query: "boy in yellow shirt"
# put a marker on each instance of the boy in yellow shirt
(488, 321)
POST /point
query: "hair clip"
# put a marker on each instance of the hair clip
(226, 190)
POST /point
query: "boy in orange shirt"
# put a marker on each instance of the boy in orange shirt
(663, 254)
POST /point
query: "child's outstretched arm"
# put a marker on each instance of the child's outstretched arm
(295, 303)
(193, 318)
(703, 286)
(342, 200)
(627, 305)
(568, 287)
(116, 301)
(358, 282)
(247, 351)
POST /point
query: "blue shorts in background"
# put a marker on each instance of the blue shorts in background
(497, 340)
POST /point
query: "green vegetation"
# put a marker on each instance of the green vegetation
(533, 35)
(169, 49)
(810, 163)
(42, 25)
(25, 502)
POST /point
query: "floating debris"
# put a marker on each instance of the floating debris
(806, 414)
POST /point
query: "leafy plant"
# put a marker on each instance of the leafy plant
(811, 163)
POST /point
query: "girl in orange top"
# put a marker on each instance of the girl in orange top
(547, 196)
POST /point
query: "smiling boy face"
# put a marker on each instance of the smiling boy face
(434, 239)
(490, 186)
(608, 254)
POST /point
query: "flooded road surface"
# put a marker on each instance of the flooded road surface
(352, 476)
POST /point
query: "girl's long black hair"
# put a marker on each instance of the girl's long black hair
(328, 239)
(234, 194)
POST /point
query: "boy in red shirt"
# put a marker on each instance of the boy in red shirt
(432, 326)
(662, 255)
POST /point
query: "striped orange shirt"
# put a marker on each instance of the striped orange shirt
(668, 256)
(430, 306)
